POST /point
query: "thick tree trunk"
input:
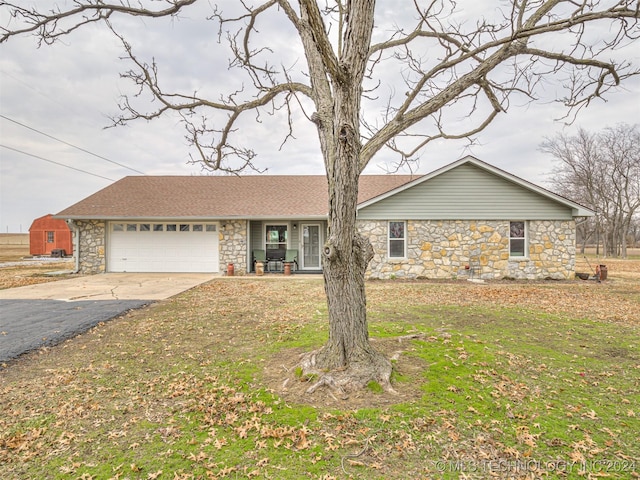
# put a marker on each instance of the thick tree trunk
(345, 258)
(347, 361)
(346, 298)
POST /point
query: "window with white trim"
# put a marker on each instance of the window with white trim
(517, 239)
(276, 237)
(397, 240)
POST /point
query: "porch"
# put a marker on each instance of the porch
(277, 242)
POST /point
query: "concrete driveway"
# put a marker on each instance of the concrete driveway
(110, 286)
(46, 314)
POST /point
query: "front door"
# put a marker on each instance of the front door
(50, 242)
(311, 242)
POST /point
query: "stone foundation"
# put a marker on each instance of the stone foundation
(474, 249)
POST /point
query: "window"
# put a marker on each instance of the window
(517, 239)
(158, 227)
(132, 227)
(276, 237)
(145, 227)
(50, 237)
(118, 227)
(171, 227)
(197, 228)
(211, 228)
(397, 239)
(184, 227)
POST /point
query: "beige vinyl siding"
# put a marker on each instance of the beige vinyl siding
(466, 193)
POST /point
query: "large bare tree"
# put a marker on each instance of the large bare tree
(601, 170)
(367, 80)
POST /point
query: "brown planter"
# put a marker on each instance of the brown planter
(601, 271)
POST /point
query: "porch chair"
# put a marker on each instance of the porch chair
(275, 257)
(291, 257)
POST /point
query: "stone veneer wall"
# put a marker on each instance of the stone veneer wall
(233, 246)
(92, 246)
(478, 249)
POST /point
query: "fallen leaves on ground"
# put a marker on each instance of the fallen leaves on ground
(31, 273)
(178, 390)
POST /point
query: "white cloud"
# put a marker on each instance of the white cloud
(70, 89)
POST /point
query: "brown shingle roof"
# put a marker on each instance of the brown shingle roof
(221, 196)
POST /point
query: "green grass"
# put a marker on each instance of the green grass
(177, 391)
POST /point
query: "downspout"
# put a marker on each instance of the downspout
(76, 244)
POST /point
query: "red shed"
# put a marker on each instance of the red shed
(48, 235)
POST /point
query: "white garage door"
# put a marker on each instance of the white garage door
(163, 247)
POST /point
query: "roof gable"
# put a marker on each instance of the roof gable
(470, 189)
(47, 222)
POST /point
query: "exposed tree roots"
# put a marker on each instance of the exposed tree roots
(372, 367)
(300, 378)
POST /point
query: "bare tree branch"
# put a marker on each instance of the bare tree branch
(217, 151)
(468, 59)
(467, 52)
(48, 28)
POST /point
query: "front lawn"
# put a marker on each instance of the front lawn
(504, 379)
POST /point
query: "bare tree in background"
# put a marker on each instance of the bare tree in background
(578, 176)
(602, 171)
(453, 75)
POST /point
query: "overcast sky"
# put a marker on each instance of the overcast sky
(69, 91)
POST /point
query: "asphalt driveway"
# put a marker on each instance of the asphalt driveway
(41, 315)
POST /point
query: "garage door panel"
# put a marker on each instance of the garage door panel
(133, 250)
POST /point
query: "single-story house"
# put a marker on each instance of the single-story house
(48, 235)
(465, 219)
